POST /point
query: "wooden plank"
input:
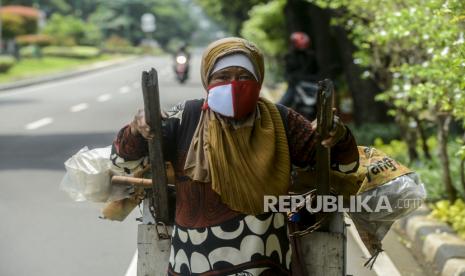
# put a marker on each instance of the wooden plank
(154, 120)
(325, 253)
(324, 126)
(153, 253)
(325, 247)
(131, 181)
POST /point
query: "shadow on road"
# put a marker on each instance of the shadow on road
(47, 152)
(4, 102)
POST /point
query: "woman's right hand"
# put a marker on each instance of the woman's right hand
(140, 126)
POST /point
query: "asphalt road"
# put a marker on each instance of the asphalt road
(42, 231)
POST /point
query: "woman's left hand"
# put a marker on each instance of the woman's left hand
(335, 135)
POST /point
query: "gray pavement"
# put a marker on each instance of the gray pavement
(42, 231)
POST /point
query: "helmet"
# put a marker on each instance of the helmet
(300, 40)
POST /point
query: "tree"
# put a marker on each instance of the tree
(122, 17)
(334, 52)
(174, 21)
(79, 8)
(267, 28)
(18, 20)
(414, 50)
(229, 14)
(69, 30)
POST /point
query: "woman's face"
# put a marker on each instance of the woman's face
(229, 74)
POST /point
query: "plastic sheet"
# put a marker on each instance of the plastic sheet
(88, 176)
(401, 195)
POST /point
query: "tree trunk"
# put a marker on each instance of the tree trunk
(462, 173)
(443, 121)
(366, 108)
(409, 136)
(462, 167)
(423, 138)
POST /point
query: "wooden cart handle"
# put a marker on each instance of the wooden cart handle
(134, 181)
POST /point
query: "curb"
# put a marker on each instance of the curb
(383, 265)
(67, 74)
(434, 242)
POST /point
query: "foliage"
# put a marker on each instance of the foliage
(41, 40)
(116, 44)
(366, 134)
(6, 62)
(229, 14)
(15, 24)
(415, 51)
(70, 30)
(267, 28)
(28, 51)
(28, 68)
(122, 18)
(12, 25)
(81, 8)
(89, 20)
(406, 45)
(80, 52)
(452, 213)
(428, 170)
(207, 30)
(119, 45)
(174, 20)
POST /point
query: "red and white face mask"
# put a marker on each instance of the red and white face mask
(235, 99)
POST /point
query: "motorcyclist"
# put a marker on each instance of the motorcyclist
(301, 65)
(182, 52)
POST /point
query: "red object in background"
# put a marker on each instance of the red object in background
(300, 40)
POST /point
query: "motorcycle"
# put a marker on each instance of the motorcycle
(181, 68)
(305, 98)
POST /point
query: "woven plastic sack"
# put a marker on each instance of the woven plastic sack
(384, 179)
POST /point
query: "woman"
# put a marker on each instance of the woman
(228, 152)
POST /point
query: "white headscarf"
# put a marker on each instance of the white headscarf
(237, 59)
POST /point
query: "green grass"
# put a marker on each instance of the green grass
(31, 67)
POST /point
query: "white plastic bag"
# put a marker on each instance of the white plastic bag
(88, 175)
(403, 194)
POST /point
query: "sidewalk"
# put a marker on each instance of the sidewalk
(434, 242)
(85, 69)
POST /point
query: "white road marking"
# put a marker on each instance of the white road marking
(383, 264)
(104, 98)
(124, 90)
(79, 107)
(132, 269)
(40, 123)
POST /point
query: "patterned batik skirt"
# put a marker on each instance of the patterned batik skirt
(244, 245)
